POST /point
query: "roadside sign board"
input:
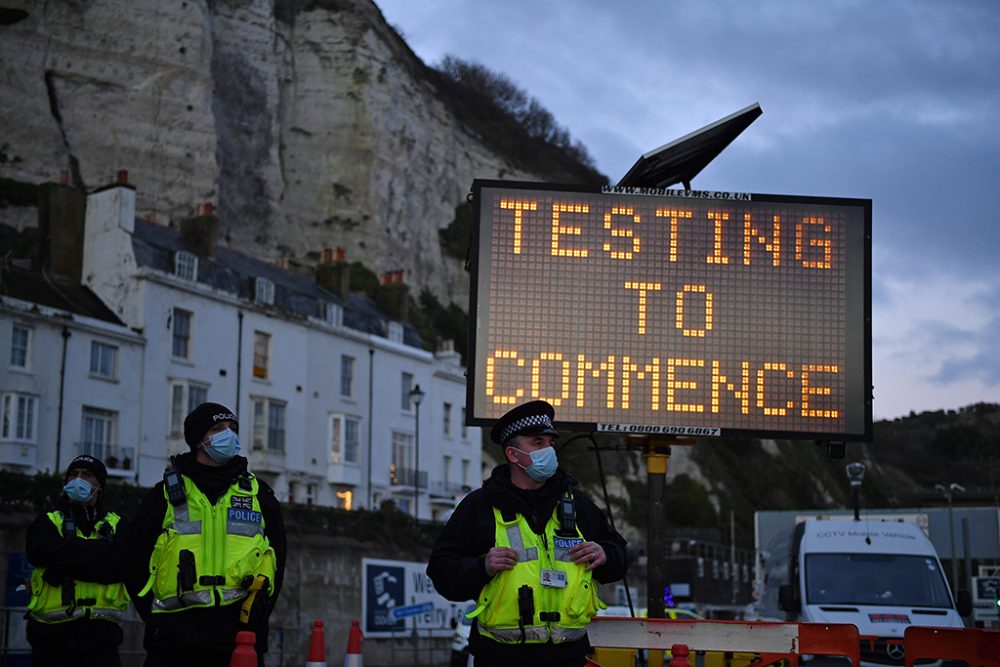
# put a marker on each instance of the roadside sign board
(412, 610)
(984, 590)
(985, 613)
(672, 312)
(399, 596)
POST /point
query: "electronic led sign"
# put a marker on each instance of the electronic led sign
(672, 312)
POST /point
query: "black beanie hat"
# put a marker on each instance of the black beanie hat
(91, 463)
(204, 417)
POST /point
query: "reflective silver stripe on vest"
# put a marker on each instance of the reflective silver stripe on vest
(561, 634)
(517, 544)
(60, 615)
(232, 594)
(243, 528)
(199, 598)
(535, 633)
(106, 614)
(182, 521)
(185, 600)
(78, 612)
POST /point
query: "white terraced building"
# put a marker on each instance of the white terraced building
(322, 379)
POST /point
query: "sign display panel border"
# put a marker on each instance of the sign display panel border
(644, 310)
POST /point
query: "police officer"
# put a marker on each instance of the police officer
(77, 595)
(207, 552)
(528, 546)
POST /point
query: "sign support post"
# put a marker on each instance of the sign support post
(657, 458)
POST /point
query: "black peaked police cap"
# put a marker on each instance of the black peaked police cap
(531, 418)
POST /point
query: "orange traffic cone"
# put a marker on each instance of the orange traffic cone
(680, 654)
(317, 647)
(353, 656)
(244, 655)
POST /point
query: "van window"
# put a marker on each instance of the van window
(875, 579)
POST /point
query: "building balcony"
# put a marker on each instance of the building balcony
(120, 461)
(406, 476)
(18, 454)
(267, 460)
(341, 473)
(446, 492)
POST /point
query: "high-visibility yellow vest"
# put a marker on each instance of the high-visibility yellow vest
(208, 555)
(557, 613)
(88, 599)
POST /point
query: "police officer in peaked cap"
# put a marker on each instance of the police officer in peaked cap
(531, 610)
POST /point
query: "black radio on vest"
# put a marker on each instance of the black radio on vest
(567, 516)
(174, 485)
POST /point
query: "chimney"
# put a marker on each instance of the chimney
(62, 211)
(333, 272)
(446, 352)
(393, 295)
(200, 232)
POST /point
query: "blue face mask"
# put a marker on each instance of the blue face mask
(78, 490)
(543, 463)
(222, 446)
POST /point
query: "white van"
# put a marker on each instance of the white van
(878, 576)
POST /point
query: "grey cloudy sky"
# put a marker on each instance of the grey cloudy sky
(893, 100)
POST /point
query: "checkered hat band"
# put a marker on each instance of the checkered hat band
(526, 422)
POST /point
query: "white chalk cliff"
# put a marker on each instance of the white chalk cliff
(307, 123)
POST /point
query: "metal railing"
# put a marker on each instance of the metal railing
(446, 489)
(405, 476)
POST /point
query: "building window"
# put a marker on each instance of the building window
(261, 354)
(346, 375)
(447, 420)
(406, 386)
(401, 470)
(98, 432)
(268, 425)
(20, 346)
(331, 313)
(465, 429)
(184, 397)
(103, 360)
(395, 332)
(447, 472)
(465, 472)
(182, 333)
(264, 291)
(17, 421)
(186, 265)
(344, 439)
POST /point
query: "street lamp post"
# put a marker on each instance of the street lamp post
(417, 396)
(949, 494)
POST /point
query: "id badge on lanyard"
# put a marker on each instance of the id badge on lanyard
(553, 578)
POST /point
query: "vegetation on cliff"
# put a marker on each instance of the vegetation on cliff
(512, 123)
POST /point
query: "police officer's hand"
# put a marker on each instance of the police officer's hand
(500, 558)
(589, 553)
